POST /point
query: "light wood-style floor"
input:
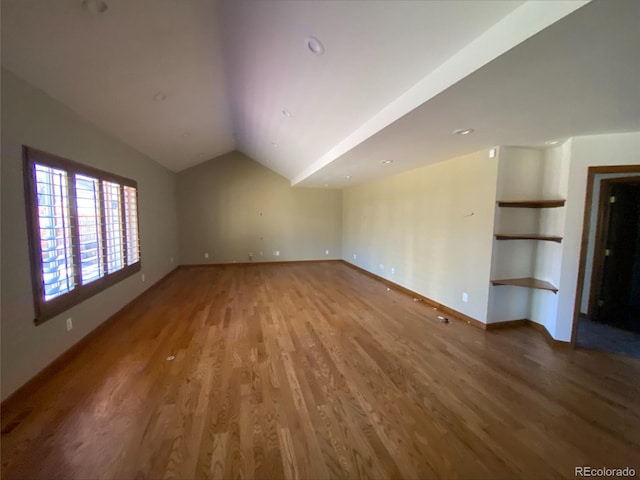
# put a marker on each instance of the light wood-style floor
(316, 371)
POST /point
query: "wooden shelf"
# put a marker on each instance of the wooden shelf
(527, 283)
(532, 203)
(527, 236)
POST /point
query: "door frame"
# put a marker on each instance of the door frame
(586, 224)
(601, 237)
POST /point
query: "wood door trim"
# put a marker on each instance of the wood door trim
(586, 221)
(600, 241)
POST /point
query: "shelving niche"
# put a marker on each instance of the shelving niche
(529, 215)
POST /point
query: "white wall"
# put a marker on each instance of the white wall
(554, 185)
(29, 117)
(432, 225)
(597, 150)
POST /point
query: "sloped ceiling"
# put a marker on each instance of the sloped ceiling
(185, 81)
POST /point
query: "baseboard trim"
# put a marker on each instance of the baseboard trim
(59, 362)
(523, 322)
(508, 324)
(443, 308)
(246, 264)
(547, 336)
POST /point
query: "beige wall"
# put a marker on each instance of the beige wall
(429, 230)
(30, 117)
(231, 207)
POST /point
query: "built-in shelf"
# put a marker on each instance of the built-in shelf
(527, 283)
(532, 203)
(527, 236)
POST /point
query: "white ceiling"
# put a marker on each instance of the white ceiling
(395, 79)
(580, 76)
(109, 67)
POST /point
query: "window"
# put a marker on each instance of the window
(83, 230)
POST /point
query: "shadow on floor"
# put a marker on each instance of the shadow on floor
(599, 336)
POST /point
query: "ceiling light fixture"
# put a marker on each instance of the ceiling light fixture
(94, 7)
(551, 142)
(315, 45)
(286, 113)
(463, 131)
(348, 177)
(185, 135)
(387, 162)
(275, 145)
(160, 97)
(326, 185)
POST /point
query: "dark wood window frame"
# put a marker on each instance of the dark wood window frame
(45, 310)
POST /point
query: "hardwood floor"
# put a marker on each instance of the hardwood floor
(317, 371)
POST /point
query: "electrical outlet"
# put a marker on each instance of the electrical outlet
(393, 270)
(355, 256)
(381, 266)
(261, 254)
(326, 252)
(142, 276)
(69, 324)
(171, 259)
(465, 297)
(277, 253)
(206, 255)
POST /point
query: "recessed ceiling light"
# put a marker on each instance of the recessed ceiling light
(551, 142)
(275, 145)
(315, 45)
(94, 7)
(286, 113)
(348, 176)
(185, 135)
(326, 184)
(387, 162)
(463, 131)
(160, 97)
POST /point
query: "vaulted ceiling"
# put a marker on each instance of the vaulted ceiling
(185, 81)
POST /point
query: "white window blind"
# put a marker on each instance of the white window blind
(90, 228)
(84, 233)
(131, 223)
(56, 233)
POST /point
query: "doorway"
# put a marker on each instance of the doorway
(612, 290)
(615, 285)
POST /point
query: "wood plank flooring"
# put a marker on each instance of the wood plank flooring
(316, 371)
